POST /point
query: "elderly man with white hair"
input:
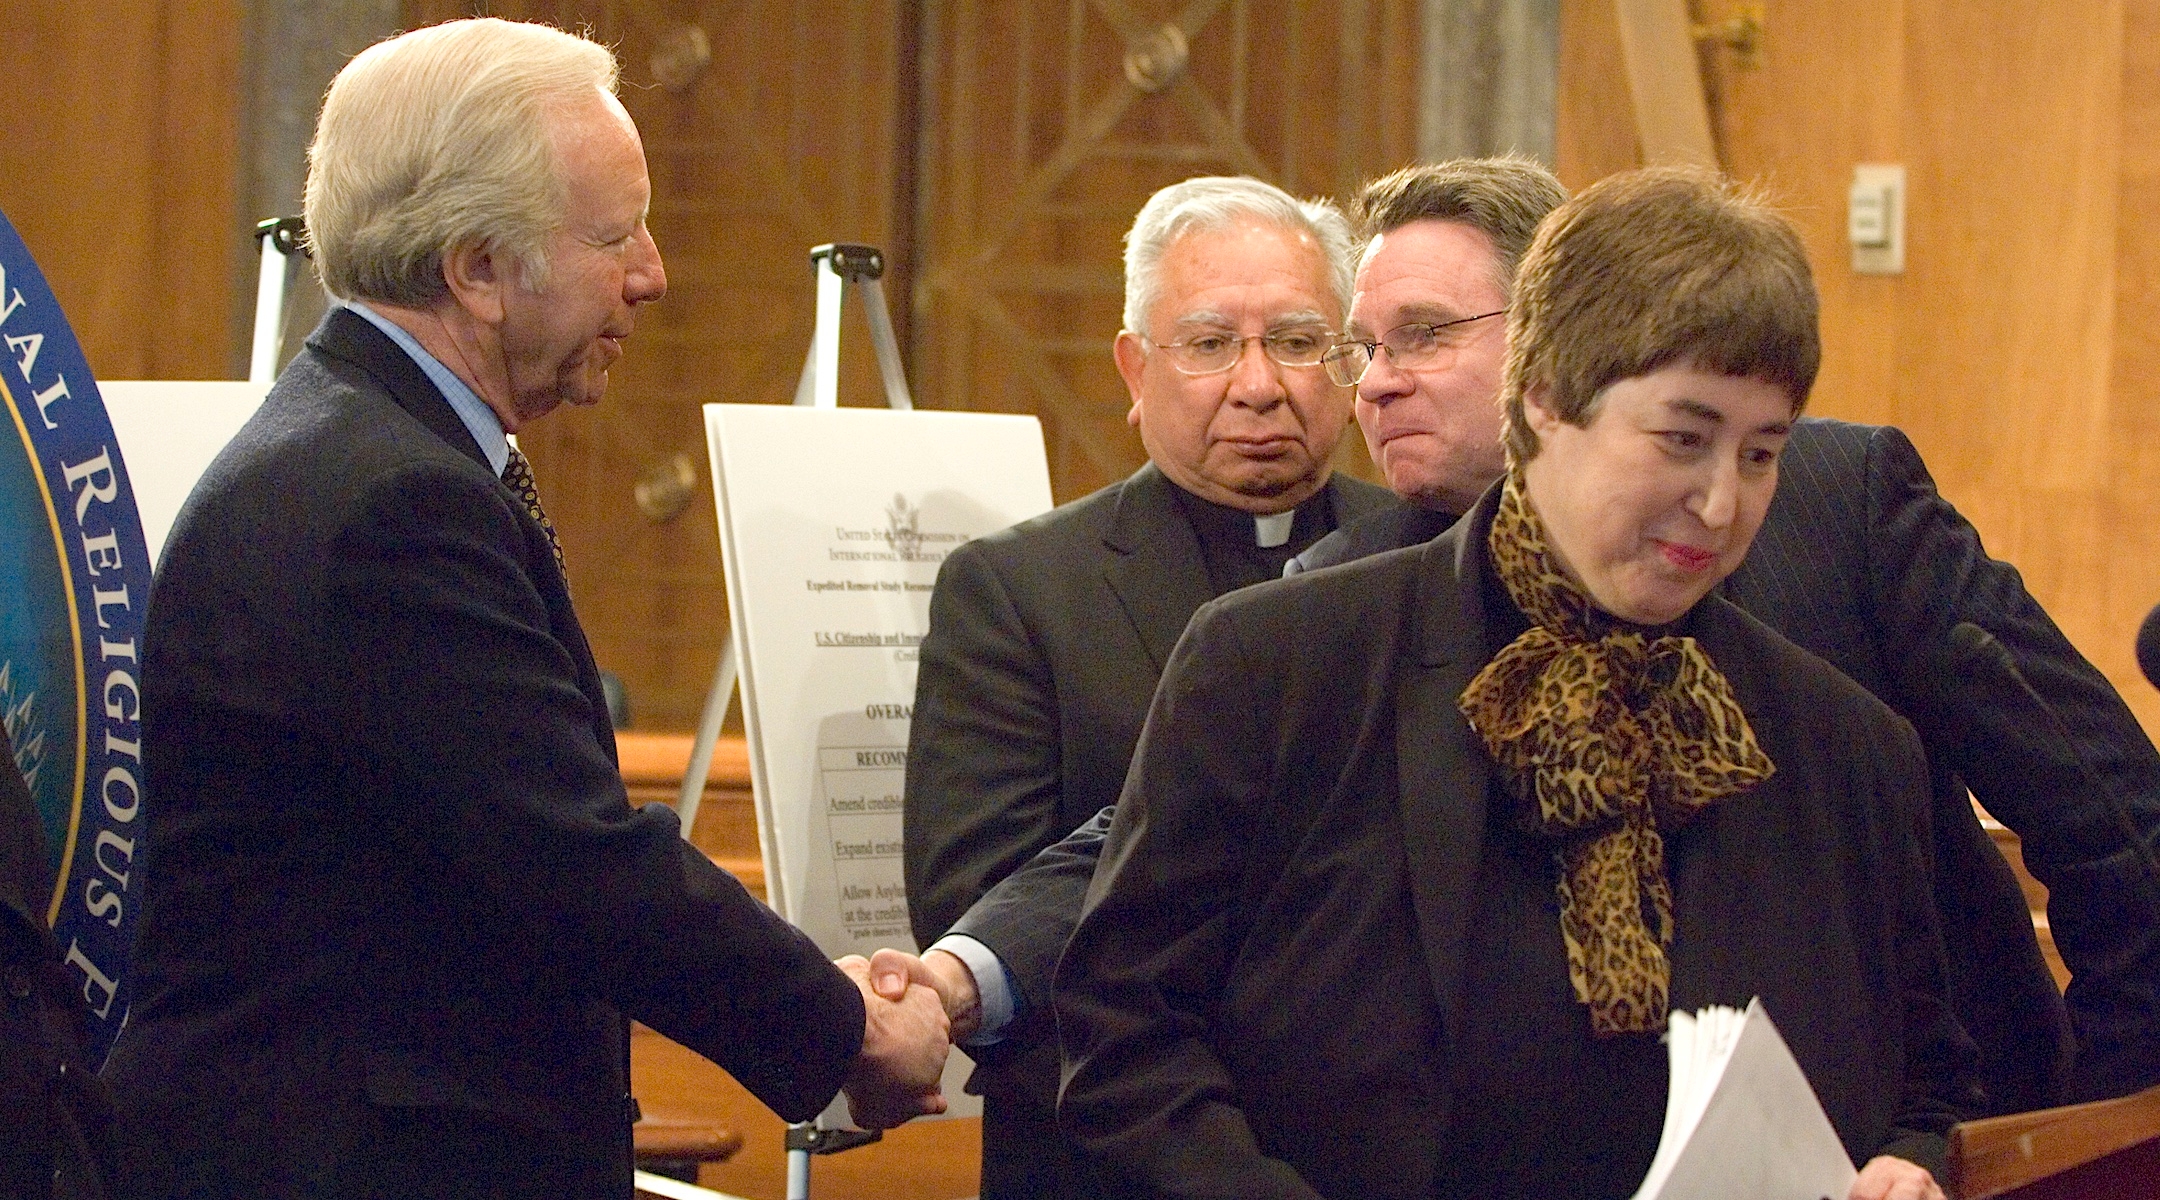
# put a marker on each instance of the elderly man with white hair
(1046, 640)
(397, 910)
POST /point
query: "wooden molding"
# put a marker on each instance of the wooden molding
(1995, 1156)
(1672, 119)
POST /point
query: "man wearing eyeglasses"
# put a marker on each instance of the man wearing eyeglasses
(1046, 640)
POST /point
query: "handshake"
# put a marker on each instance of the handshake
(913, 1010)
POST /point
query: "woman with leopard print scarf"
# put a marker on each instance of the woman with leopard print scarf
(1418, 853)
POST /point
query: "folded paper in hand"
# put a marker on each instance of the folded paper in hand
(1740, 1118)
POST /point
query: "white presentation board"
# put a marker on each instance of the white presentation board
(168, 432)
(832, 526)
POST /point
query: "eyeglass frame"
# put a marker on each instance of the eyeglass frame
(1330, 356)
(1323, 333)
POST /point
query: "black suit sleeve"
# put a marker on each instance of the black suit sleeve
(1144, 1088)
(1938, 1083)
(1028, 917)
(983, 775)
(1927, 572)
(474, 699)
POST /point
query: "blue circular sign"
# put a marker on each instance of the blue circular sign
(76, 575)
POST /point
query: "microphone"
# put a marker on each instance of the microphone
(2148, 647)
(1976, 652)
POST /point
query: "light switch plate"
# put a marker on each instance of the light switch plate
(1875, 218)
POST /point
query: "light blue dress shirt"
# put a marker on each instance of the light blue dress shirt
(993, 985)
(480, 420)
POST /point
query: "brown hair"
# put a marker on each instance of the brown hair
(1503, 198)
(1650, 268)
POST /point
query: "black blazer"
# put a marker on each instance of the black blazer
(1262, 990)
(392, 881)
(1044, 646)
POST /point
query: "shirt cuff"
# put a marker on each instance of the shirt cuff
(993, 985)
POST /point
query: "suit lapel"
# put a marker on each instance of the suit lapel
(350, 338)
(1442, 768)
(1157, 572)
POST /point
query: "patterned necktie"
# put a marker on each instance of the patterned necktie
(517, 473)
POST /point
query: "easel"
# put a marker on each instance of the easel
(839, 266)
(280, 239)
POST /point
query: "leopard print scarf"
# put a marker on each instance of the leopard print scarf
(1605, 735)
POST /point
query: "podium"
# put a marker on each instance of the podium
(2105, 1150)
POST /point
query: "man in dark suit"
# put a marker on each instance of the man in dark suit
(1046, 639)
(1861, 561)
(398, 910)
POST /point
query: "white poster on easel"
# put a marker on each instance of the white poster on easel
(832, 525)
(168, 432)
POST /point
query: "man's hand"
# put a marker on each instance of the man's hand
(893, 971)
(905, 1041)
(1887, 1178)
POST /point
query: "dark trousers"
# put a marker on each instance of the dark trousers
(377, 1152)
(1025, 1158)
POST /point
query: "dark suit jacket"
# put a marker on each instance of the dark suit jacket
(1863, 562)
(396, 902)
(1044, 646)
(1261, 993)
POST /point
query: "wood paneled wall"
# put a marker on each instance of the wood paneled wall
(118, 161)
(2021, 347)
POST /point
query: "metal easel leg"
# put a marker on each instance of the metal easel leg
(718, 699)
(839, 266)
(280, 238)
(798, 1165)
(807, 1139)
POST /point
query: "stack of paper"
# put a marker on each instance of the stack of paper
(1740, 1118)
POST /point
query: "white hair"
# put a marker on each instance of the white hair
(1213, 202)
(440, 138)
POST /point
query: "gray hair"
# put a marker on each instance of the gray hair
(1214, 201)
(440, 138)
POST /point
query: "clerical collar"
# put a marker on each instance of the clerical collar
(1240, 549)
(1235, 527)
